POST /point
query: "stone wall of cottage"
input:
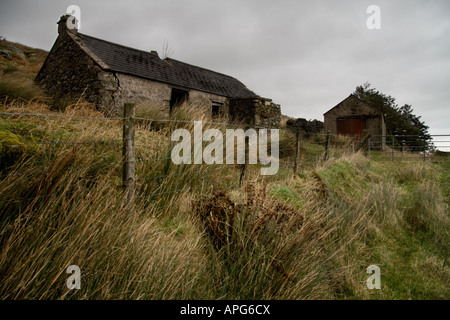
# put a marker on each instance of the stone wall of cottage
(68, 74)
(268, 114)
(204, 102)
(117, 89)
(258, 111)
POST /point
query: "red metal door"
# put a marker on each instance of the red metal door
(350, 127)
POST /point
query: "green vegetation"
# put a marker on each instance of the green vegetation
(399, 120)
(18, 88)
(18, 72)
(192, 232)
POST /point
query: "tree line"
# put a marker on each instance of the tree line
(400, 120)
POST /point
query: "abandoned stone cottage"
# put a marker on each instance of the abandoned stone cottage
(110, 75)
(352, 116)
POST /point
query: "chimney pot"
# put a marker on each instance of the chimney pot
(67, 23)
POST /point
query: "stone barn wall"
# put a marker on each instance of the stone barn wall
(307, 127)
(268, 114)
(353, 108)
(260, 112)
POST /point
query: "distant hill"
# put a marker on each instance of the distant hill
(16, 57)
(19, 65)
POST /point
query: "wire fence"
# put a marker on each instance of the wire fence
(434, 148)
(143, 161)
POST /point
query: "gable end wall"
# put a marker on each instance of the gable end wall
(352, 107)
(68, 73)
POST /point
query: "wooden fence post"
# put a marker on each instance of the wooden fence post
(353, 142)
(393, 147)
(297, 150)
(128, 149)
(327, 143)
(424, 150)
(364, 142)
(244, 168)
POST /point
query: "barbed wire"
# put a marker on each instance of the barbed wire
(71, 168)
(62, 142)
(152, 159)
(192, 121)
(58, 116)
(209, 172)
(293, 148)
(289, 129)
(150, 195)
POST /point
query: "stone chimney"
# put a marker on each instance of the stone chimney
(67, 23)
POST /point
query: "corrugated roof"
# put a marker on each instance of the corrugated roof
(118, 58)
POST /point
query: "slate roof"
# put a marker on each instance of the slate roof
(352, 96)
(118, 58)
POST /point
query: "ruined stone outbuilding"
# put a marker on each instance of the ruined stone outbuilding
(352, 116)
(109, 75)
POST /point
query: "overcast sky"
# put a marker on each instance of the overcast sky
(306, 56)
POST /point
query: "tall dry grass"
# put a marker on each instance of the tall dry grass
(63, 205)
(61, 210)
(190, 233)
(19, 88)
(72, 214)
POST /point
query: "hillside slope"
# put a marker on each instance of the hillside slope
(19, 65)
(192, 232)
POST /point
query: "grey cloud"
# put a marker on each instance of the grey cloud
(305, 55)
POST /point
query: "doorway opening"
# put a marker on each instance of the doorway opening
(177, 98)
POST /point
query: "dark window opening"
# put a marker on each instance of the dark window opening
(177, 98)
(216, 110)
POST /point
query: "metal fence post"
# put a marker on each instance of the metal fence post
(128, 150)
